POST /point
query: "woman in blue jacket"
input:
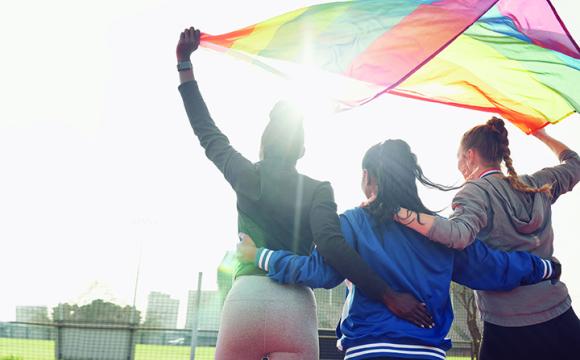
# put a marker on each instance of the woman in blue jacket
(406, 260)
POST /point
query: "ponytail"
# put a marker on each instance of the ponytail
(396, 169)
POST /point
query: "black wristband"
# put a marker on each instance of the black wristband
(184, 65)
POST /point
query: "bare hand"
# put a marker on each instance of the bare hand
(408, 308)
(246, 249)
(368, 201)
(540, 133)
(188, 43)
(556, 270)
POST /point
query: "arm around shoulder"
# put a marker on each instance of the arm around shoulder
(483, 268)
(459, 231)
(288, 268)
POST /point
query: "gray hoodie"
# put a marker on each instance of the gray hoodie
(506, 219)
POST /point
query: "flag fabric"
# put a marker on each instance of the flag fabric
(514, 58)
(517, 61)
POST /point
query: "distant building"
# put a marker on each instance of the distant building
(162, 311)
(212, 301)
(209, 310)
(32, 314)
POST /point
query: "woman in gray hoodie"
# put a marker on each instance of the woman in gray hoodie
(511, 212)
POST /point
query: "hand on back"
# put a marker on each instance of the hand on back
(246, 249)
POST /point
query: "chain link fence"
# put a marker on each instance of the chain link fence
(104, 330)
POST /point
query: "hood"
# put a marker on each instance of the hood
(526, 211)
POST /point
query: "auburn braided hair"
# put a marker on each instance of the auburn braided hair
(492, 143)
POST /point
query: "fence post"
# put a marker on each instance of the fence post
(59, 322)
(58, 340)
(132, 341)
(195, 318)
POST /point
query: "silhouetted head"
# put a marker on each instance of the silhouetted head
(283, 137)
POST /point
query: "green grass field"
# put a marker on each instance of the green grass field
(22, 349)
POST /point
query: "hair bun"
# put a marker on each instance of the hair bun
(496, 124)
(287, 111)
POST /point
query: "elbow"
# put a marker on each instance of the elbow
(461, 243)
(326, 248)
(576, 177)
(459, 237)
(452, 235)
(462, 235)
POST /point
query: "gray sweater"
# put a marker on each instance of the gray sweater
(506, 219)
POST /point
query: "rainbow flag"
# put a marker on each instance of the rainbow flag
(517, 61)
(434, 50)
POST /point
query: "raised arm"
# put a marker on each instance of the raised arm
(217, 146)
(562, 177)
(483, 268)
(556, 146)
(188, 43)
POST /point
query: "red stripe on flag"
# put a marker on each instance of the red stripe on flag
(402, 50)
(226, 40)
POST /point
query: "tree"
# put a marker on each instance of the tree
(466, 299)
(97, 312)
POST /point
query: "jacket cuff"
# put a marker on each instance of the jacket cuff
(548, 269)
(262, 259)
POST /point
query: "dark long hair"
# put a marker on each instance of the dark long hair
(396, 169)
(492, 143)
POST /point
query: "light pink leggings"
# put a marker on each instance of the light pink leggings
(263, 319)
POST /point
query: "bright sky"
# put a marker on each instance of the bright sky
(99, 161)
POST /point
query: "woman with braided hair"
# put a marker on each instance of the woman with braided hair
(510, 212)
